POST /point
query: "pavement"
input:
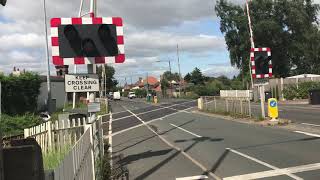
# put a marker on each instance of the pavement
(297, 113)
(171, 141)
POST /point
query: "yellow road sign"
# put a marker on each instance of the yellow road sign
(273, 110)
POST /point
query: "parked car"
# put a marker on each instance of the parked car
(116, 96)
(131, 95)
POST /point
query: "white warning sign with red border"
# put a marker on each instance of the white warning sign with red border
(255, 74)
(58, 60)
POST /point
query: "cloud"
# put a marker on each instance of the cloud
(28, 40)
(221, 69)
(153, 43)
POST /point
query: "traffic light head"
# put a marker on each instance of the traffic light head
(87, 40)
(261, 63)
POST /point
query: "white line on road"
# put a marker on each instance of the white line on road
(151, 121)
(162, 107)
(309, 134)
(186, 130)
(277, 172)
(193, 177)
(263, 163)
(176, 148)
(308, 124)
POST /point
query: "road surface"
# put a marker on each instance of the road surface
(169, 141)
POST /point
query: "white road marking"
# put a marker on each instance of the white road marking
(151, 121)
(193, 177)
(309, 134)
(277, 172)
(177, 148)
(162, 107)
(186, 131)
(263, 163)
(308, 124)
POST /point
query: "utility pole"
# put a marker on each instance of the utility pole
(75, 66)
(179, 70)
(49, 104)
(260, 86)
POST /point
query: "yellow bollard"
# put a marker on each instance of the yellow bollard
(273, 109)
(155, 99)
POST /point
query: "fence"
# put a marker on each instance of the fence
(56, 136)
(87, 146)
(236, 94)
(233, 106)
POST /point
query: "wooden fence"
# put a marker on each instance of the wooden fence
(52, 136)
(86, 140)
(233, 106)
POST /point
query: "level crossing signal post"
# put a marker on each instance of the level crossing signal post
(261, 70)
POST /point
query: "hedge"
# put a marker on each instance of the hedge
(301, 92)
(20, 93)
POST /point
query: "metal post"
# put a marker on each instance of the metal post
(261, 88)
(179, 70)
(48, 60)
(251, 40)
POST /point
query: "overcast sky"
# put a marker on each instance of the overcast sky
(153, 28)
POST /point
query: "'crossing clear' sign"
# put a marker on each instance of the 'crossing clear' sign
(81, 83)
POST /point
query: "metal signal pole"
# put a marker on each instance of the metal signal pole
(261, 87)
(48, 60)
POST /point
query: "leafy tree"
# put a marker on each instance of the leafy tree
(110, 80)
(196, 77)
(288, 27)
(187, 78)
(171, 76)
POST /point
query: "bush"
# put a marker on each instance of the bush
(140, 93)
(20, 93)
(302, 92)
(14, 125)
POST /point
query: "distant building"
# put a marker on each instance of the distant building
(17, 72)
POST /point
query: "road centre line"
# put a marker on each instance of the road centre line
(276, 172)
(151, 121)
(263, 163)
(177, 148)
(193, 177)
(306, 133)
(308, 124)
(186, 130)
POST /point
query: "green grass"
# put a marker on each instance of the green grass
(52, 159)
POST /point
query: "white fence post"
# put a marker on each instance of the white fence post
(89, 127)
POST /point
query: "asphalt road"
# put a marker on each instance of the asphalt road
(301, 113)
(169, 141)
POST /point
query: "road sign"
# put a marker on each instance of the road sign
(93, 107)
(81, 83)
(273, 111)
(261, 63)
(96, 40)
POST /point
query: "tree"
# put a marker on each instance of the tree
(196, 77)
(288, 27)
(171, 76)
(187, 78)
(110, 80)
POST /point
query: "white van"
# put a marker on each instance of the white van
(116, 96)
